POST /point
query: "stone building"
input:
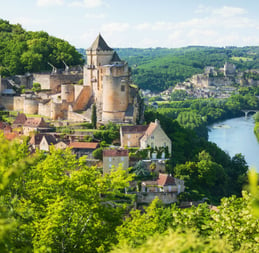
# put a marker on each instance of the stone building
(106, 83)
(109, 79)
(166, 188)
(151, 135)
(112, 158)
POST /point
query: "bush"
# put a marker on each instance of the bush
(98, 153)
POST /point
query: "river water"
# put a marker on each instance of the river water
(237, 136)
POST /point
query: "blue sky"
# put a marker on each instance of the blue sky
(140, 23)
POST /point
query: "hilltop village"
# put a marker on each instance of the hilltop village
(69, 103)
(212, 83)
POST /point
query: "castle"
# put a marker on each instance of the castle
(106, 83)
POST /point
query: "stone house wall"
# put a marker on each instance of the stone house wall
(148, 197)
(157, 139)
(114, 161)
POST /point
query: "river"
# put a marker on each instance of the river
(237, 136)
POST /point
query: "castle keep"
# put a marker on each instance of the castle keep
(109, 80)
(106, 83)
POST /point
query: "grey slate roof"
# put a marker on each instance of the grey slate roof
(115, 57)
(100, 44)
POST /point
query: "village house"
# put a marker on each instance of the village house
(35, 141)
(61, 145)
(34, 125)
(19, 120)
(83, 148)
(113, 158)
(164, 183)
(42, 141)
(151, 135)
(166, 188)
(46, 141)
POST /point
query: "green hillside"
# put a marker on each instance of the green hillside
(24, 51)
(159, 68)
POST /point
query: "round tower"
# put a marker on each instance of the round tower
(115, 97)
(67, 93)
(30, 106)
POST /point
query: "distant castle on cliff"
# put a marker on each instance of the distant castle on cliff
(106, 83)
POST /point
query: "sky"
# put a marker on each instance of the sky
(140, 23)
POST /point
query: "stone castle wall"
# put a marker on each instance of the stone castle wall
(77, 90)
(18, 104)
(7, 102)
(30, 106)
(72, 116)
(45, 109)
(200, 80)
(221, 81)
(83, 98)
(53, 81)
(67, 93)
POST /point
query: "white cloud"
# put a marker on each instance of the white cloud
(229, 11)
(87, 3)
(49, 2)
(115, 27)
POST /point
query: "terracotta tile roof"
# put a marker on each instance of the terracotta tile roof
(84, 145)
(134, 129)
(165, 179)
(11, 136)
(151, 128)
(35, 122)
(115, 152)
(20, 119)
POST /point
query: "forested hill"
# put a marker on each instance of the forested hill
(159, 68)
(24, 51)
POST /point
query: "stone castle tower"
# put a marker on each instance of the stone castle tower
(109, 79)
(106, 83)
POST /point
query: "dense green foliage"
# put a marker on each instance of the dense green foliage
(159, 68)
(198, 161)
(22, 51)
(197, 114)
(256, 128)
(55, 203)
(230, 228)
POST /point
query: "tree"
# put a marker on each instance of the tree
(179, 95)
(94, 116)
(59, 204)
(36, 87)
(140, 170)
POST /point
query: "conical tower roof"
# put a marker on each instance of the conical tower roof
(115, 57)
(100, 44)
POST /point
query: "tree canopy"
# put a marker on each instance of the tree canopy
(25, 51)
